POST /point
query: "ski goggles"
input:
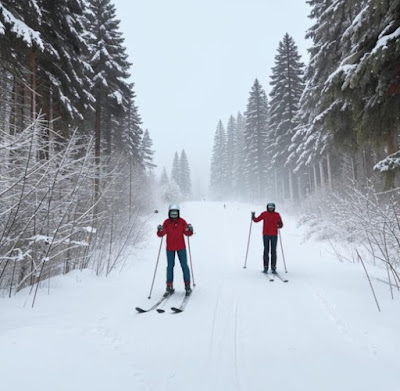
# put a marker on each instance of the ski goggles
(173, 214)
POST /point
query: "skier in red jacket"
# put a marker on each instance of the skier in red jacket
(175, 227)
(272, 221)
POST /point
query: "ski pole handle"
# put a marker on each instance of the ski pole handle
(155, 271)
(248, 244)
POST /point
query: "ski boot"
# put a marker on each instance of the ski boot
(170, 290)
(188, 290)
(265, 270)
(273, 271)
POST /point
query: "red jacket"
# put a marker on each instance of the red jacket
(175, 229)
(272, 221)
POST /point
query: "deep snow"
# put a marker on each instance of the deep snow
(319, 332)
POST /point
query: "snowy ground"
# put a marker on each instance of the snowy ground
(319, 332)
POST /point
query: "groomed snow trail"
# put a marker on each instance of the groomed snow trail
(320, 331)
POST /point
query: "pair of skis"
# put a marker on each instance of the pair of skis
(271, 277)
(163, 299)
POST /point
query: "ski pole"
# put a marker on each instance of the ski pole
(248, 244)
(155, 271)
(283, 255)
(190, 258)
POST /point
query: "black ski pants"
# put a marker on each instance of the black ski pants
(270, 242)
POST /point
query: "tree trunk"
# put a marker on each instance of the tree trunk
(299, 189)
(392, 147)
(328, 160)
(97, 145)
(108, 134)
(291, 187)
(33, 85)
(315, 177)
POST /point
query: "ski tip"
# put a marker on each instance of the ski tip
(140, 310)
(176, 310)
(160, 311)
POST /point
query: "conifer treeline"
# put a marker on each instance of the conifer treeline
(66, 60)
(179, 186)
(75, 162)
(336, 120)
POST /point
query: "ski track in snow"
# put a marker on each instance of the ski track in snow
(239, 331)
(223, 347)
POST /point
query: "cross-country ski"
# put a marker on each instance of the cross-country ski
(163, 299)
(182, 307)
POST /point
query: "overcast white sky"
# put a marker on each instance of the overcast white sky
(194, 62)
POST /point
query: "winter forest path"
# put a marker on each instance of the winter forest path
(319, 332)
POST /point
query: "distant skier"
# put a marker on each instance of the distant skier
(272, 221)
(175, 227)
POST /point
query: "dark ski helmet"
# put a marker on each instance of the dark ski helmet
(173, 211)
(271, 207)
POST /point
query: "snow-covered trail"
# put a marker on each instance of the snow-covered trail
(320, 331)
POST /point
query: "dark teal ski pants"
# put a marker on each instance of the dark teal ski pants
(270, 241)
(171, 263)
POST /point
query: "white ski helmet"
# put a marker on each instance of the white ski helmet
(173, 211)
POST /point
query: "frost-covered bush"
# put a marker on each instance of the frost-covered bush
(364, 218)
(52, 220)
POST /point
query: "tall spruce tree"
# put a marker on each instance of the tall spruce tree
(64, 73)
(218, 163)
(164, 178)
(231, 140)
(176, 170)
(147, 152)
(255, 136)
(185, 177)
(131, 133)
(313, 139)
(370, 75)
(287, 87)
(19, 32)
(110, 65)
(239, 158)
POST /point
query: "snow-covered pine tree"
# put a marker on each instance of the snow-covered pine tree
(131, 133)
(239, 158)
(147, 151)
(186, 181)
(19, 32)
(312, 144)
(164, 178)
(287, 87)
(176, 170)
(218, 163)
(231, 139)
(62, 67)
(371, 73)
(256, 142)
(110, 65)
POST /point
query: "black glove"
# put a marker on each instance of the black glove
(253, 215)
(189, 228)
(159, 228)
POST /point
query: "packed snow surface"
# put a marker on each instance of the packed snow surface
(321, 331)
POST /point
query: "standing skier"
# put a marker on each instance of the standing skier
(272, 221)
(175, 227)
